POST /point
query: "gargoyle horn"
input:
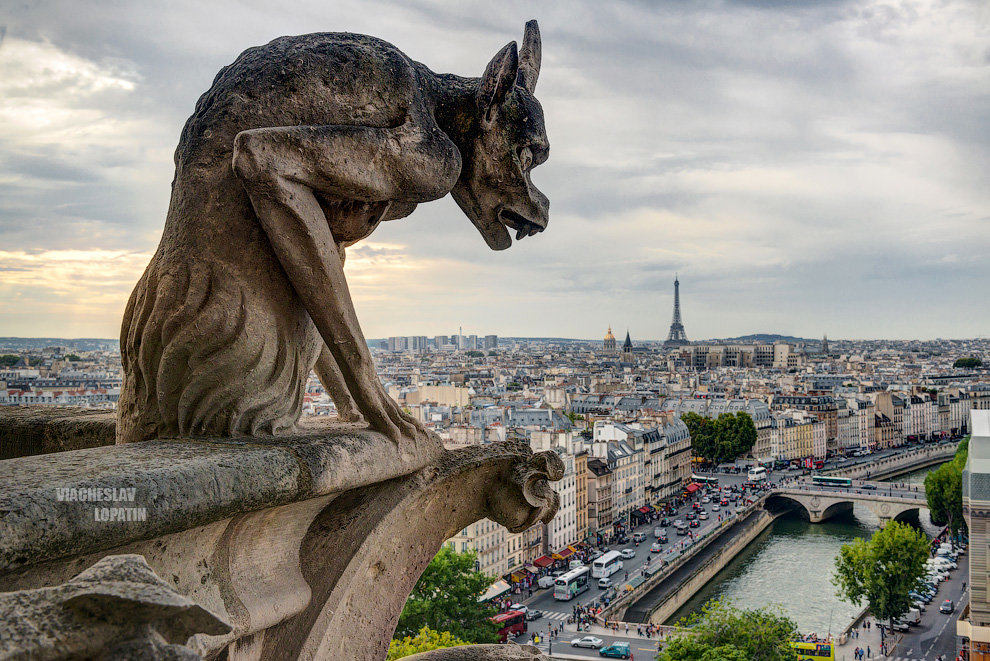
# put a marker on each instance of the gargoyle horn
(530, 56)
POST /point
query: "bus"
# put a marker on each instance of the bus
(757, 474)
(711, 482)
(606, 565)
(510, 623)
(827, 481)
(814, 651)
(569, 585)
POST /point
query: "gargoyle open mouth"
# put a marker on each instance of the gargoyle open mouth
(523, 226)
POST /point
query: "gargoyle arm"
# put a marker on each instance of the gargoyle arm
(282, 167)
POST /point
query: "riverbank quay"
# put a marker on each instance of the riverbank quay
(899, 464)
(688, 570)
(867, 637)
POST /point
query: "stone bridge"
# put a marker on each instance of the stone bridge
(822, 504)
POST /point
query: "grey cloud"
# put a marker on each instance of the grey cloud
(649, 107)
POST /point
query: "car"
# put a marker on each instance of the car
(659, 531)
(869, 487)
(656, 547)
(604, 583)
(679, 524)
(628, 553)
(533, 614)
(900, 625)
(706, 499)
(703, 516)
(696, 506)
(716, 507)
(947, 606)
(683, 531)
(694, 524)
(691, 516)
(724, 502)
(616, 651)
(664, 522)
(639, 537)
(587, 641)
(519, 607)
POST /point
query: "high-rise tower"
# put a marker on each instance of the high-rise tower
(676, 337)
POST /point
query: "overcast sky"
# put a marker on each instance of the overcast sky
(805, 167)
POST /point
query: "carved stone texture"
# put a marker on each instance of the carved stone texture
(30, 430)
(307, 546)
(299, 149)
(117, 609)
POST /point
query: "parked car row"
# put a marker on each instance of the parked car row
(937, 570)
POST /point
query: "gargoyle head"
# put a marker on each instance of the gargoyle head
(494, 189)
(525, 496)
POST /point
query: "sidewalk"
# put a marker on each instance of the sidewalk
(868, 639)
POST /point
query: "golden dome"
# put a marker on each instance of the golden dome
(608, 335)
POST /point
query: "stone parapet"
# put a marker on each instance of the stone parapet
(307, 545)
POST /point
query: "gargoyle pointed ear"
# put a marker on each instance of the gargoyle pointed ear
(498, 79)
(530, 56)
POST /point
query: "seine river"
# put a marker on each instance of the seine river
(790, 565)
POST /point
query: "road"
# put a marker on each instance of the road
(557, 611)
(862, 487)
(937, 632)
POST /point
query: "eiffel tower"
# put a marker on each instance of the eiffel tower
(676, 337)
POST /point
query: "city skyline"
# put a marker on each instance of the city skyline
(806, 170)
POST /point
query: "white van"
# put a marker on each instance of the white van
(545, 582)
(575, 564)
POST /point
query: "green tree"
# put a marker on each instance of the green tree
(968, 363)
(702, 432)
(446, 599)
(72, 358)
(9, 360)
(882, 571)
(688, 648)
(943, 489)
(721, 631)
(722, 439)
(475, 354)
(427, 639)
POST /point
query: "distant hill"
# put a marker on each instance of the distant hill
(768, 338)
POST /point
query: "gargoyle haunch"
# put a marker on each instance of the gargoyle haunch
(299, 149)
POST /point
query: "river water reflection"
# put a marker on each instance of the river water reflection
(791, 564)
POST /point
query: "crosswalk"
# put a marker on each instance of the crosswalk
(554, 615)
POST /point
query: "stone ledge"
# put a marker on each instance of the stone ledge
(184, 483)
(31, 430)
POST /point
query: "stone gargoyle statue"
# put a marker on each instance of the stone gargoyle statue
(299, 149)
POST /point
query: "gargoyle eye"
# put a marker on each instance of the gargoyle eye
(526, 158)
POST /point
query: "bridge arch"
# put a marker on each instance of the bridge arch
(779, 503)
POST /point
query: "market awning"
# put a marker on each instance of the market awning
(518, 576)
(496, 589)
(532, 570)
(571, 547)
(645, 510)
(543, 561)
(564, 553)
(691, 488)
